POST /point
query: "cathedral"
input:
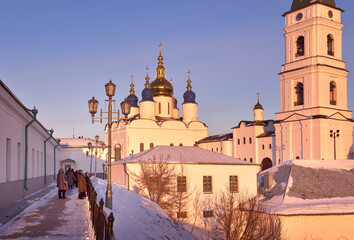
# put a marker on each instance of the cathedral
(156, 121)
(314, 122)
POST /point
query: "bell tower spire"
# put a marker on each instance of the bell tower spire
(160, 70)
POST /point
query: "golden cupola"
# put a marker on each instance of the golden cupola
(160, 86)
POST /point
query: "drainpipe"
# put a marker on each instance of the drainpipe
(45, 155)
(125, 170)
(55, 157)
(34, 111)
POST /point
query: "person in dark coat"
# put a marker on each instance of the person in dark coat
(70, 177)
(61, 184)
(82, 185)
(75, 181)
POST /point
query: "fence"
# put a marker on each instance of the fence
(102, 223)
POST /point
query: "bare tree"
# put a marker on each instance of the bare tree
(197, 208)
(156, 181)
(241, 218)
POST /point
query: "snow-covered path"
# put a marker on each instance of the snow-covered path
(52, 218)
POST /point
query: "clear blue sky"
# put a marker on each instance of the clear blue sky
(56, 55)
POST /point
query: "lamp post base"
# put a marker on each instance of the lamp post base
(108, 201)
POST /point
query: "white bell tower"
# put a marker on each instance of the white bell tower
(313, 85)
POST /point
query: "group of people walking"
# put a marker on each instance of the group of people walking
(69, 179)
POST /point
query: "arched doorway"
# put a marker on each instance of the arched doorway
(266, 163)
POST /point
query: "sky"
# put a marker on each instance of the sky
(56, 55)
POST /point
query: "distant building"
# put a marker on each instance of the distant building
(28, 153)
(313, 199)
(77, 155)
(156, 121)
(221, 143)
(205, 172)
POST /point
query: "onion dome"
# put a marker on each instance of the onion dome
(189, 95)
(132, 98)
(258, 105)
(160, 86)
(147, 94)
(175, 103)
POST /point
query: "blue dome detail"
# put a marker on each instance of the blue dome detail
(147, 95)
(189, 97)
(175, 103)
(133, 100)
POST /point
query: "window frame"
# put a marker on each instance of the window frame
(207, 184)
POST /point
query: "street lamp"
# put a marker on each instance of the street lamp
(93, 104)
(103, 146)
(89, 145)
(334, 134)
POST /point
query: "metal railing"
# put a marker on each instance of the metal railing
(102, 223)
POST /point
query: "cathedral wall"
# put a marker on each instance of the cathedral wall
(189, 112)
(164, 106)
(147, 109)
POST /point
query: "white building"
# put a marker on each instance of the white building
(314, 199)
(314, 121)
(205, 172)
(77, 155)
(28, 152)
(156, 121)
(313, 86)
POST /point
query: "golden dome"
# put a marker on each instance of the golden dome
(161, 87)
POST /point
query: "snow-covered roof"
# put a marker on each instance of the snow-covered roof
(76, 142)
(310, 187)
(217, 138)
(187, 155)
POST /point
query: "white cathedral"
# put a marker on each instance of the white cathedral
(156, 121)
(313, 122)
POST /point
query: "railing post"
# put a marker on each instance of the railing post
(94, 208)
(99, 225)
(110, 225)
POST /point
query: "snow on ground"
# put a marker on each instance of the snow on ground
(137, 217)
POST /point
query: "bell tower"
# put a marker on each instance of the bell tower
(313, 84)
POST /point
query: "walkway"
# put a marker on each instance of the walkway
(52, 218)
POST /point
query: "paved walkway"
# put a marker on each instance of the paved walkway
(52, 218)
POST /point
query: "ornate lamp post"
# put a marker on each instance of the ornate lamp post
(89, 146)
(334, 134)
(93, 104)
(103, 146)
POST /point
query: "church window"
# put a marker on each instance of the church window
(233, 184)
(217, 149)
(181, 144)
(168, 108)
(151, 145)
(245, 159)
(332, 93)
(244, 140)
(207, 214)
(238, 141)
(141, 147)
(181, 184)
(299, 92)
(263, 146)
(212, 149)
(250, 140)
(171, 144)
(297, 157)
(270, 146)
(330, 47)
(300, 46)
(251, 159)
(207, 184)
(182, 214)
(159, 107)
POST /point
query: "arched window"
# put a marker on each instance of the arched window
(244, 140)
(245, 159)
(299, 92)
(297, 157)
(238, 141)
(270, 146)
(151, 145)
(181, 144)
(250, 140)
(171, 144)
(159, 107)
(300, 46)
(168, 108)
(330, 48)
(266, 163)
(332, 93)
(141, 147)
(263, 146)
(251, 159)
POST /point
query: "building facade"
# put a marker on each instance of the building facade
(28, 152)
(156, 121)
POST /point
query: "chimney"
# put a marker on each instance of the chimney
(268, 180)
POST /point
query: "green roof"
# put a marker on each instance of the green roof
(299, 4)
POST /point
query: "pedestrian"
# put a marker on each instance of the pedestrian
(61, 184)
(70, 177)
(75, 181)
(82, 185)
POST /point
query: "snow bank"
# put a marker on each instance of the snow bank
(137, 217)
